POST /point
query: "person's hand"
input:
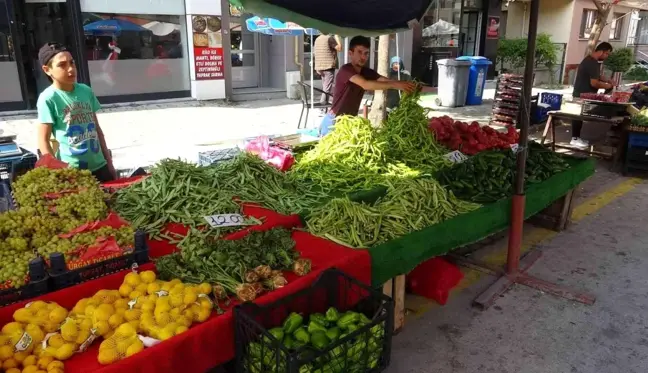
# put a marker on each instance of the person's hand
(408, 87)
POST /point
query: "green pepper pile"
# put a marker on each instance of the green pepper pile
(330, 334)
(489, 176)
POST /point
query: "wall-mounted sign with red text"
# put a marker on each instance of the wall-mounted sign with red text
(208, 47)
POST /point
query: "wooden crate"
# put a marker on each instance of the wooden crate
(395, 288)
(558, 215)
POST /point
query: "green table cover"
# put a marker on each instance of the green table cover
(403, 254)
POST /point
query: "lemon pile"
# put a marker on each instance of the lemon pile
(21, 349)
(124, 342)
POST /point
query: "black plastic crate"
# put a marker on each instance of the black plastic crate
(14, 166)
(6, 198)
(364, 348)
(62, 277)
(216, 156)
(38, 285)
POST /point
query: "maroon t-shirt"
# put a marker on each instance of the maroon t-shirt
(347, 95)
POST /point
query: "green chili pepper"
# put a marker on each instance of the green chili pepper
(301, 335)
(315, 326)
(332, 314)
(347, 319)
(293, 322)
(319, 339)
(277, 333)
(333, 333)
(363, 319)
(320, 319)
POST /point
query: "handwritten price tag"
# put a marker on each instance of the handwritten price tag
(456, 156)
(514, 148)
(225, 220)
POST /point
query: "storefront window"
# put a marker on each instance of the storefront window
(441, 24)
(136, 53)
(10, 86)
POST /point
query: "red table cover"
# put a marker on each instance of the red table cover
(211, 343)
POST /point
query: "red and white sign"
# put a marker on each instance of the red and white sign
(209, 63)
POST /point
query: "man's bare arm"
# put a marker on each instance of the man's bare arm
(338, 43)
(600, 84)
(381, 84)
(44, 136)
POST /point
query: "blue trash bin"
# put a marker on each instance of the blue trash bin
(477, 78)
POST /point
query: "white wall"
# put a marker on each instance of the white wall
(112, 78)
(555, 19)
(176, 7)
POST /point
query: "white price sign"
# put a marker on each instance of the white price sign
(456, 156)
(514, 148)
(225, 220)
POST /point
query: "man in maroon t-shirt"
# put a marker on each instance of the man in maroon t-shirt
(353, 79)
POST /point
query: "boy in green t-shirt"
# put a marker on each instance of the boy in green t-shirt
(68, 110)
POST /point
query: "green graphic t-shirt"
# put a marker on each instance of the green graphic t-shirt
(71, 115)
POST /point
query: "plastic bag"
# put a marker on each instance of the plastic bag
(274, 155)
(434, 279)
(50, 162)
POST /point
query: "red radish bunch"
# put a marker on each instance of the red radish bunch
(471, 138)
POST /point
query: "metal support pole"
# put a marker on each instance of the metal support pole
(517, 208)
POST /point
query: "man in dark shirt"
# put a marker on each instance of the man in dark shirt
(353, 79)
(589, 80)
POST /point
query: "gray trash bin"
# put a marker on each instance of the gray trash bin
(453, 82)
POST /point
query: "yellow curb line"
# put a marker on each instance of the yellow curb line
(535, 236)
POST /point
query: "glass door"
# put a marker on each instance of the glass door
(245, 54)
(11, 95)
(40, 22)
(470, 27)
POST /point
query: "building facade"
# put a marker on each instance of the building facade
(569, 23)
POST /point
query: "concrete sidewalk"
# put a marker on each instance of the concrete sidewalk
(140, 135)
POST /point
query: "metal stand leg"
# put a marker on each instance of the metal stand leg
(300, 118)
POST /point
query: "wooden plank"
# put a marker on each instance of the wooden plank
(399, 303)
(388, 288)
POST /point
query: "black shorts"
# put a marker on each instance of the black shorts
(103, 174)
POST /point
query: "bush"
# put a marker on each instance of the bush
(620, 60)
(636, 73)
(513, 52)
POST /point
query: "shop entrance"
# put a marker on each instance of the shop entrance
(245, 54)
(39, 22)
(470, 30)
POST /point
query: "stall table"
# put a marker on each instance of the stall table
(207, 344)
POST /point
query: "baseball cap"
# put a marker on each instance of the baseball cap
(48, 51)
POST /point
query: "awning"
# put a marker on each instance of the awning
(342, 17)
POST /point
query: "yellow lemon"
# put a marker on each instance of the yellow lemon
(134, 348)
(181, 329)
(135, 324)
(162, 308)
(203, 314)
(175, 282)
(44, 361)
(176, 299)
(205, 288)
(102, 327)
(20, 356)
(135, 294)
(115, 320)
(23, 315)
(107, 356)
(133, 314)
(56, 341)
(189, 314)
(162, 318)
(9, 363)
(190, 297)
(55, 365)
(30, 369)
(12, 327)
(69, 331)
(132, 279)
(12, 370)
(125, 290)
(86, 324)
(166, 286)
(125, 330)
(64, 352)
(121, 311)
(50, 327)
(205, 303)
(182, 320)
(142, 288)
(103, 312)
(153, 288)
(121, 303)
(30, 360)
(164, 334)
(148, 306)
(38, 305)
(122, 346)
(148, 277)
(83, 335)
(89, 310)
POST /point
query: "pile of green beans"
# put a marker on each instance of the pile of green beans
(348, 159)
(410, 205)
(407, 138)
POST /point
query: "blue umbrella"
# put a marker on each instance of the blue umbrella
(271, 26)
(274, 27)
(109, 27)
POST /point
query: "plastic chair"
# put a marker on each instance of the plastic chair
(306, 102)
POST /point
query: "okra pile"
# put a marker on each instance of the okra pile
(332, 332)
